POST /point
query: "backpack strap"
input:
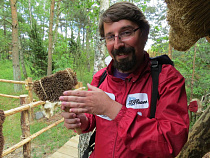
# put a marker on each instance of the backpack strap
(155, 70)
(156, 67)
(102, 78)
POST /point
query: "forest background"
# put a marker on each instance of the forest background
(54, 35)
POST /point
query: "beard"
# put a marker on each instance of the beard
(125, 64)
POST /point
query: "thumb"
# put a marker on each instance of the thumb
(92, 88)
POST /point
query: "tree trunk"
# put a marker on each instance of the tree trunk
(50, 47)
(88, 47)
(56, 25)
(192, 80)
(30, 14)
(22, 60)
(100, 48)
(198, 143)
(170, 51)
(15, 50)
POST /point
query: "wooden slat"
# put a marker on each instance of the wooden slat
(12, 81)
(61, 155)
(68, 150)
(10, 96)
(22, 108)
(71, 150)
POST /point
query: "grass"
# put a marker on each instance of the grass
(43, 145)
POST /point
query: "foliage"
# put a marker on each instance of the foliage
(38, 54)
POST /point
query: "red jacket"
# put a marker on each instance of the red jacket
(132, 134)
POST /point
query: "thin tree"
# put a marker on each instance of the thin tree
(15, 49)
(192, 80)
(22, 59)
(58, 12)
(170, 51)
(100, 48)
(50, 47)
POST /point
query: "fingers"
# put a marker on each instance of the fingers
(70, 120)
(75, 93)
(72, 99)
(78, 110)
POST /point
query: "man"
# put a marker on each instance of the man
(120, 107)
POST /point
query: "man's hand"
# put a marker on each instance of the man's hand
(95, 101)
(73, 121)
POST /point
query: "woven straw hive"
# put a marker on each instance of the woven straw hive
(189, 21)
(2, 118)
(52, 87)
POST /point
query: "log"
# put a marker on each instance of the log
(198, 143)
(25, 126)
(28, 139)
(22, 108)
(29, 87)
(9, 96)
(12, 81)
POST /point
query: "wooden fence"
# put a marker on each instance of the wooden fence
(26, 104)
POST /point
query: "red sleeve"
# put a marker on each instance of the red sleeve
(164, 135)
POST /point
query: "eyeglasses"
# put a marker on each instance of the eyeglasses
(123, 36)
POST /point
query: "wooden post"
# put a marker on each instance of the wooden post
(25, 126)
(29, 87)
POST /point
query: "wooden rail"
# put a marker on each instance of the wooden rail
(28, 139)
(28, 86)
(11, 81)
(10, 96)
(26, 104)
(25, 125)
(23, 108)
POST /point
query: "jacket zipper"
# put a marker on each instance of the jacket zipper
(117, 132)
(115, 145)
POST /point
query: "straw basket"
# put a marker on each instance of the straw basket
(189, 21)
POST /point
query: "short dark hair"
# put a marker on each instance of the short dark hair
(124, 11)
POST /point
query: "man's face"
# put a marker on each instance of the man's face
(127, 52)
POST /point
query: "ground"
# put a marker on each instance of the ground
(39, 148)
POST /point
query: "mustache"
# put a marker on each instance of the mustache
(123, 50)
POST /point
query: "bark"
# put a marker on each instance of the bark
(100, 48)
(50, 47)
(15, 50)
(56, 25)
(25, 126)
(192, 80)
(198, 143)
(30, 14)
(170, 51)
(88, 48)
(22, 60)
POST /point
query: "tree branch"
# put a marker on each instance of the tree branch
(7, 21)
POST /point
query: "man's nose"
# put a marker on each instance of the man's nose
(118, 42)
